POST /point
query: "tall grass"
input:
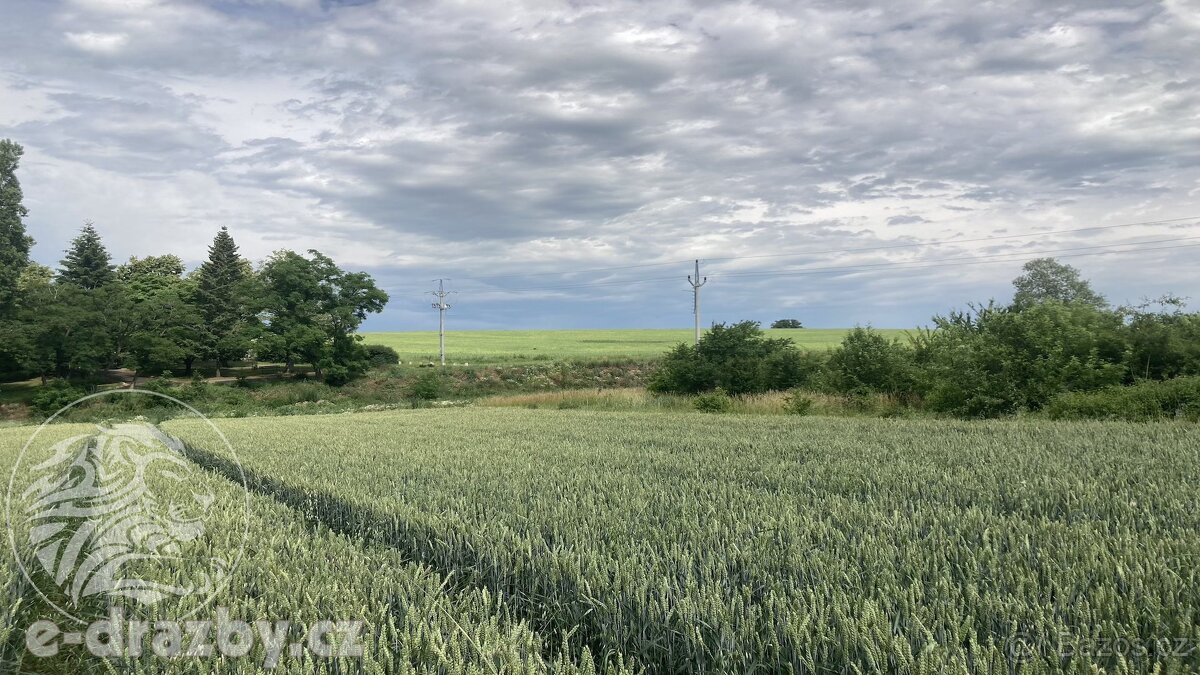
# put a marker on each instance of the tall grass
(637, 398)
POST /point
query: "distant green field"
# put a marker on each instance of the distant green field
(508, 346)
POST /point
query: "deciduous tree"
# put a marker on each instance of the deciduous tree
(1046, 279)
(312, 309)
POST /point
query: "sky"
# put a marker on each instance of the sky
(562, 163)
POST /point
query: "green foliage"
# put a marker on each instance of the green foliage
(74, 329)
(1142, 402)
(797, 403)
(14, 242)
(1047, 280)
(381, 355)
(87, 264)
(144, 277)
(715, 401)
(788, 368)
(427, 386)
(168, 330)
(296, 392)
(162, 385)
(56, 395)
(1163, 343)
(866, 363)
(337, 374)
(993, 360)
(224, 292)
(787, 323)
(739, 359)
(311, 311)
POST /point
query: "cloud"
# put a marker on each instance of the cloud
(905, 220)
(101, 43)
(476, 139)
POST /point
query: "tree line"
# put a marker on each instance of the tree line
(1057, 337)
(150, 315)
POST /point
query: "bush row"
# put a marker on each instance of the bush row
(985, 362)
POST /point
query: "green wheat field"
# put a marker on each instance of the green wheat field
(515, 346)
(555, 541)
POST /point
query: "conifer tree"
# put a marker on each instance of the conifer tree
(87, 264)
(221, 298)
(14, 243)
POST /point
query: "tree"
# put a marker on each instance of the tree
(69, 329)
(222, 297)
(1046, 279)
(18, 347)
(143, 277)
(787, 323)
(14, 243)
(168, 330)
(87, 264)
(311, 312)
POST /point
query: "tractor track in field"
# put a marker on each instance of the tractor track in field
(360, 524)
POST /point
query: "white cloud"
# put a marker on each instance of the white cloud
(99, 43)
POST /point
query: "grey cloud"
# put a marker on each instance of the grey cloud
(628, 131)
(906, 220)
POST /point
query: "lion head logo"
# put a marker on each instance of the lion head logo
(111, 514)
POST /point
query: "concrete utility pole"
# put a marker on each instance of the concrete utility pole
(441, 307)
(696, 283)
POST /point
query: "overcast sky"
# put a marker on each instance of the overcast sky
(516, 147)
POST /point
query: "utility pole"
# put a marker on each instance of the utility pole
(441, 307)
(696, 283)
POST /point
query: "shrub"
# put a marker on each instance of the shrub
(160, 385)
(1144, 401)
(995, 360)
(797, 403)
(739, 359)
(869, 363)
(382, 355)
(336, 375)
(788, 368)
(195, 390)
(1162, 344)
(55, 396)
(716, 401)
(425, 387)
